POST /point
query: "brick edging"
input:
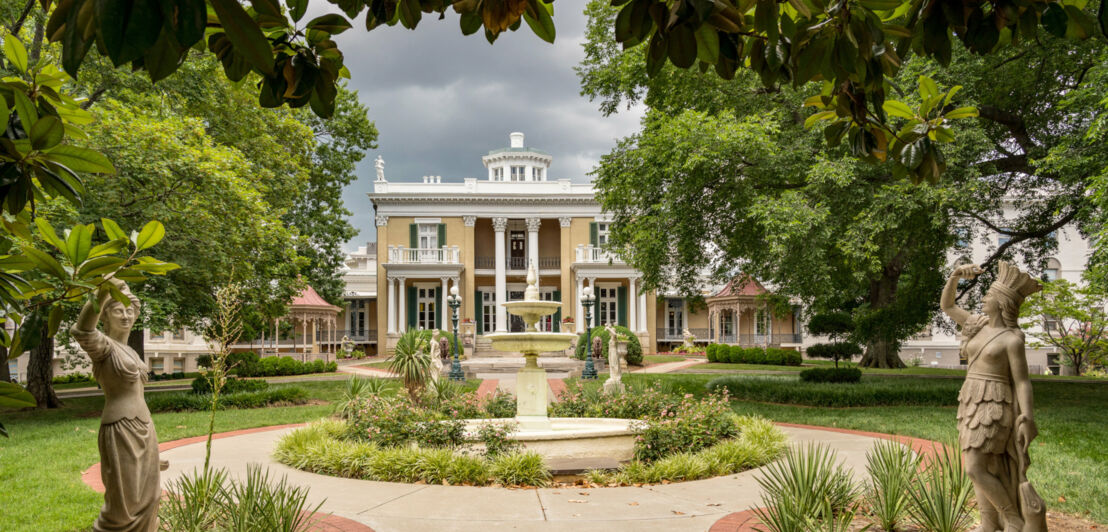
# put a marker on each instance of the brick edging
(744, 521)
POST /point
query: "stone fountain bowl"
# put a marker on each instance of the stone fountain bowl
(573, 438)
(531, 342)
(532, 308)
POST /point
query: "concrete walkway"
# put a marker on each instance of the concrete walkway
(366, 372)
(387, 506)
(669, 367)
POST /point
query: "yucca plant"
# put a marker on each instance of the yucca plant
(411, 361)
(443, 390)
(808, 483)
(357, 390)
(257, 505)
(940, 495)
(520, 469)
(892, 468)
(193, 502)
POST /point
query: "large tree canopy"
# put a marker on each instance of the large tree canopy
(725, 175)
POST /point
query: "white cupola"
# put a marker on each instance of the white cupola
(517, 162)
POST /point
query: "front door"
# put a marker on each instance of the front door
(517, 256)
(605, 306)
(675, 318)
(515, 323)
(425, 311)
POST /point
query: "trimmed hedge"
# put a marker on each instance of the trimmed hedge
(280, 366)
(188, 401)
(176, 375)
(847, 375)
(634, 348)
(200, 385)
(734, 354)
(234, 360)
(74, 378)
(872, 391)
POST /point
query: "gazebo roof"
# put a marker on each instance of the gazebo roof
(310, 298)
(310, 305)
(741, 286)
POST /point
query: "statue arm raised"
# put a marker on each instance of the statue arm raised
(947, 301)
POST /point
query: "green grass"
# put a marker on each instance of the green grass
(381, 364)
(662, 359)
(1068, 458)
(909, 371)
(43, 460)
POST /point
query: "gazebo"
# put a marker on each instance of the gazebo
(727, 307)
(309, 308)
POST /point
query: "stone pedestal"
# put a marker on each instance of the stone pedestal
(531, 399)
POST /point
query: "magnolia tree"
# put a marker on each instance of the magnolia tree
(1071, 319)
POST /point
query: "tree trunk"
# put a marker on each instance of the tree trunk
(883, 352)
(40, 372)
(5, 375)
(137, 341)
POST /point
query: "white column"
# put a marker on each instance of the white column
(390, 304)
(499, 225)
(445, 313)
(643, 325)
(596, 302)
(401, 307)
(633, 303)
(580, 317)
(533, 242)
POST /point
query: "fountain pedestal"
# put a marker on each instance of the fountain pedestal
(531, 398)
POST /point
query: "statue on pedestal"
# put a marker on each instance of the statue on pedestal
(614, 384)
(995, 413)
(688, 338)
(128, 444)
(436, 356)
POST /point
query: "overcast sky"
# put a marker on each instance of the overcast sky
(442, 100)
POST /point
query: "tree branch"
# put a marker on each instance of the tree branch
(1013, 122)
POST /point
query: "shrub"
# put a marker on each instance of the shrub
(710, 352)
(639, 402)
(940, 495)
(835, 351)
(499, 405)
(872, 391)
(282, 366)
(496, 437)
(634, 348)
(808, 485)
(74, 378)
(357, 389)
(520, 469)
(891, 467)
(396, 422)
(693, 425)
(187, 401)
(831, 375)
(210, 499)
(411, 360)
(201, 385)
(151, 376)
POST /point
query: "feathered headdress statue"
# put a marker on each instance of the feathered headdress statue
(1015, 284)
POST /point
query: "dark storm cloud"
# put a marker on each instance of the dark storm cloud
(442, 100)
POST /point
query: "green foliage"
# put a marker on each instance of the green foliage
(872, 391)
(891, 468)
(359, 389)
(202, 385)
(396, 422)
(808, 484)
(74, 378)
(209, 498)
(634, 347)
(841, 375)
(940, 495)
(284, 365)
(176, 375)
(496, 436)
(520, 469)
(835, 351)
(190, 402)
(736, 354)
(1072, 320)
(637, 402)
(691, 425)
(835, 324)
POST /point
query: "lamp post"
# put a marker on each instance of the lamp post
(587, 301)
(454, 301)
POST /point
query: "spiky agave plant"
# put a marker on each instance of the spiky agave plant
(411, 361)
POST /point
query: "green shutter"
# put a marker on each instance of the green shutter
(412, 305)
(621, 306)
(478, 306)
(558, 314)
(438, 302)
(442, 235)
(413, 235)
(594, 233)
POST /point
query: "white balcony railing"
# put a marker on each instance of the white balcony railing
(595, 254)
(407, 255)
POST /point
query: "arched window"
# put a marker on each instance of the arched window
(1051, 269)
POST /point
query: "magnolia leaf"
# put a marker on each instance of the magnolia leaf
(100, 266)
(54, 320)
(46, 231)
(13, 395)
(80, 159)
(897, 108)
(112, 229)
(48, 264)
(245, 34)
(822, 115)
(15, 52)
(110, 247)
(962, 112)
(927, 88)
(331, 23)
(78, 244)
(151, 234)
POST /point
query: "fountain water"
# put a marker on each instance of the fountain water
(554, 438)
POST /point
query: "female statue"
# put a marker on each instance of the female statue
(995, 415)
(128, 444)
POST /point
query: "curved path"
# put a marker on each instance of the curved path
(387, 506)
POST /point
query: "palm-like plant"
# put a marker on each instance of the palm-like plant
(411, 361)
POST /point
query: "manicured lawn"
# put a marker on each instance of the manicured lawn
(379, 364)
(1070, 465)
(42, 462)
(661, 359)
(718, 366)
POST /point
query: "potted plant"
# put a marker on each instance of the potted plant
(567, 324)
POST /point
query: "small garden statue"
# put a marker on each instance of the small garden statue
(614, 384)
(444, 346)
(597, 347)
(688, 339)
(347, 344)
(436, 356)
(995, 414)
(128, 444)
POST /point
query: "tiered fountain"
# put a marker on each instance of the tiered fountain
(554, 438)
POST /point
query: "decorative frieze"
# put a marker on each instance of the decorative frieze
(533, 224)
(499, 224)
(382, 220)
(565, 221)
(469, 221)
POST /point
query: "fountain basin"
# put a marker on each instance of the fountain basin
(531, 342)
(574, 438)
(537, 308)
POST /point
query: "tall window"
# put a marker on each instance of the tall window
(519, 173)
(157, 365)
(603, 231)
(178, 365)
(427, 306)
(606, 306)
(536, 173)
(356, 323)
(498, 174)
(428, 236)
(1051, 269)
(762, 323)
(546, 323)
(488, 311)
(727, 326)
(675, 318)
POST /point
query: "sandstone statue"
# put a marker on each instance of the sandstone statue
(128, 444)
(995, 415)
(688, 338)
(436, 356)
(614, 384)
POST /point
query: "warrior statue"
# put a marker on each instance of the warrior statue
(995, 414)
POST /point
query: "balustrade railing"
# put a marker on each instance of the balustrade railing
(755, 340)
(361, 335)
(517, 263)
(595, 254)
(407, 255)
(671, 334)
